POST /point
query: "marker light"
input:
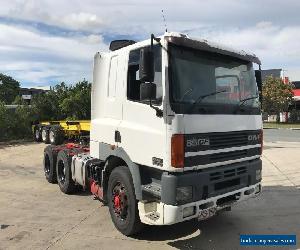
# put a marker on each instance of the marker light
(177, 151)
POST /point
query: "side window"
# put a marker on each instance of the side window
(133, 81)
(112, 79)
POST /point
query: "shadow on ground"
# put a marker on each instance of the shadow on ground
(276, 211)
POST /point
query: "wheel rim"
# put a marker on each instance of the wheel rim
(47, 164)
(120, 201)
(61, 172)
(37, 134)
(51, 136)
(44, 135)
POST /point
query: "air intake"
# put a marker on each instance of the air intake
(118, 44)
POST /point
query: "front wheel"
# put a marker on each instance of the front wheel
(122, 202)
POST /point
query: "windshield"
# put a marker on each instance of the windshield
(211, 83)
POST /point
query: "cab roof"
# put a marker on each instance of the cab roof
(184, 40)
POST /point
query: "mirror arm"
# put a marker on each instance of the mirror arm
(260, 88)
(159, 112)
(155, 39)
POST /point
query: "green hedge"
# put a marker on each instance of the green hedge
(72, 102)
(294, 116)
(15, 123)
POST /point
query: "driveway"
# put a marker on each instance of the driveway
(36, 215)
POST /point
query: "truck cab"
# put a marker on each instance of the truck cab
(175, 134)
(185, 120)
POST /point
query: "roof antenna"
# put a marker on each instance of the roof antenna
(164, 20)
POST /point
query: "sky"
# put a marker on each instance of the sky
(45, 42)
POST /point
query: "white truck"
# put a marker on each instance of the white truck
(176, 132)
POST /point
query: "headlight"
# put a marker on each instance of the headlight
(184, 194)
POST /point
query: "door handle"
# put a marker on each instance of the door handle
(117, 136)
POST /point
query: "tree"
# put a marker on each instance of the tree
(4, 123)
(277, 96)
(77, 105)
(22, 119)
(15, 123)
(45, 106)
(63, 102)
(19, 101)
(9, 89)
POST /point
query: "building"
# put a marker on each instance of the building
(296, 91)
(278, 73)
(28, 93)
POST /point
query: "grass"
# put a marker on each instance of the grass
(281, 125)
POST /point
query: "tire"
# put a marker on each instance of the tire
(123, 209)
(63, 173)
(49, 163)
(45, 134)
(37, 133)
(56, 135)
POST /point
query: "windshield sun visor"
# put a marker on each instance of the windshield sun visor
(208, 46)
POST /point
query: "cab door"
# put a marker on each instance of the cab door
(142, 132)
(112, 113)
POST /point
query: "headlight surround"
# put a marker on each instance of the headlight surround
(184, 194)
(189, 211)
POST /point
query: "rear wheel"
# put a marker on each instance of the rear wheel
(63, 172)
(45, 134)
(50, 157)
(56, 135)
(122, 202)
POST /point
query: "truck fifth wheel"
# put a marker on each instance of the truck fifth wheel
(176, 132)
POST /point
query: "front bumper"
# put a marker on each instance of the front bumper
(210, 182)
(155, 213)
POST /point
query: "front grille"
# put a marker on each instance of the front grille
(228, 155)
(220, 157)
(228, 139)
(227, 184)
(220, 140)
(227, 178)
(228, 173)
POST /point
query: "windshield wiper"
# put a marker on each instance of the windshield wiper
(186, 92)
(242, 101)
(200, 98)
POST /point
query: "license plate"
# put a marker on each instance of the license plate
(206, 213)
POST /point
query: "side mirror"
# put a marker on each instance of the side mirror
(146, 71)
(259, 83)
(147, 91)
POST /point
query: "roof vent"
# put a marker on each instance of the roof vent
(118, 44)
